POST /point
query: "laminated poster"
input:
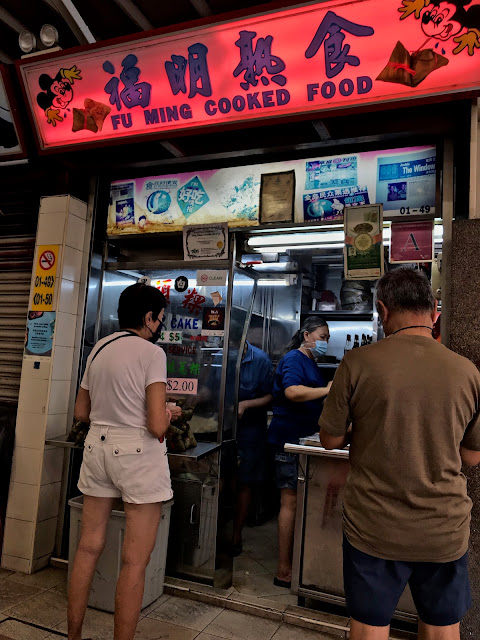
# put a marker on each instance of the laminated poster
(331, 173)
(412, 242)
(407, 183)
(168, 203)
(363, 251)
(39, 334)
(330, 204)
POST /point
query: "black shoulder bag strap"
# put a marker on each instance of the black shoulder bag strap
(128, 334)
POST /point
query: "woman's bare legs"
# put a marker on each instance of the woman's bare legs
(96, 512)
(286, 526)
(142, 522)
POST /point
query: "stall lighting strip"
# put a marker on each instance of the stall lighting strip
(281, 282)
(241, 283)
(279, 243)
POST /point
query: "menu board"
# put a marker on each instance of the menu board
(403, 180)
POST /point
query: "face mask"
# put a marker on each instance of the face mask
(320, 348)
(155, 334)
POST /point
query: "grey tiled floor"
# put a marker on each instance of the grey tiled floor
(255, 568)
(41, 600)
(35, 608)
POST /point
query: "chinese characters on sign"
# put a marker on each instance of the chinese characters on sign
(191, 197)
(255, 59)
(336, 53)
(193, 301)
(199, 78)
(304, 59)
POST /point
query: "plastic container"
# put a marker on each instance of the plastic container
(102, 595)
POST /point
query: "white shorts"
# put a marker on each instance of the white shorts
(127, 463)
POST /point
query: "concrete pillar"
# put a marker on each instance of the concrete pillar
(465, 340)
(47, 392)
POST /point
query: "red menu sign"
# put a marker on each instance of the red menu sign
(329, 55)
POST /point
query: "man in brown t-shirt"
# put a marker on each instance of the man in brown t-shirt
(414, 407)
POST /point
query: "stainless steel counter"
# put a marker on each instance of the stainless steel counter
(317, 552)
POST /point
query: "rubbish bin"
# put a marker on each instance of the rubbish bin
(102, 595)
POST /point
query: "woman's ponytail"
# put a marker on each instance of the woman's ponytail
(295, 342)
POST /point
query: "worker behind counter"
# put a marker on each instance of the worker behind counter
(255, 394)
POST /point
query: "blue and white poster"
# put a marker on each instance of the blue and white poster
(331, 173)
(330, 204)
(39, 335)
(407, 183)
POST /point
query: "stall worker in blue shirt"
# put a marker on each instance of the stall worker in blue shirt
(255, 395)
(298, 393)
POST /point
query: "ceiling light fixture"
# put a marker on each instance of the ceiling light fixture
(27, 41)
(49, 35)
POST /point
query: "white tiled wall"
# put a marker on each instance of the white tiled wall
(51, 228)
(62, 363)
(33, 395)
(22, 502)
(48, 502)
(19, 541)
(72, 263)
(56, 425)
(69, 291)
(30, 430)
(59, 396)
(47, 395)
(65, 326)
(27, 465)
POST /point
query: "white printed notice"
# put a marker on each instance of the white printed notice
(205, 242)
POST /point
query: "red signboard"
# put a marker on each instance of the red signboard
(412, 242)
(322, 56)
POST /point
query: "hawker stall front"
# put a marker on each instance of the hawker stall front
(258, 170)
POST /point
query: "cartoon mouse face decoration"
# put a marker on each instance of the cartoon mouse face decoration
(447, 19)
(440, 21)
(57, 93)
(63, 93)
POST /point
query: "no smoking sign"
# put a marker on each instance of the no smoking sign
(47, 260)
(45, 278)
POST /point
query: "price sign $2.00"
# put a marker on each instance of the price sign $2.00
(182, 386)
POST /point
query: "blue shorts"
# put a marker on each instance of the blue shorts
(441, 591)
(286, 470)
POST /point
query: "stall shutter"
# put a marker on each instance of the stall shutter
(16, 262)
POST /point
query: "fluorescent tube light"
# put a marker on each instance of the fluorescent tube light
(279, 282)
(119, 283)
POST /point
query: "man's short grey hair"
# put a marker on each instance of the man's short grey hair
(407, 290)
